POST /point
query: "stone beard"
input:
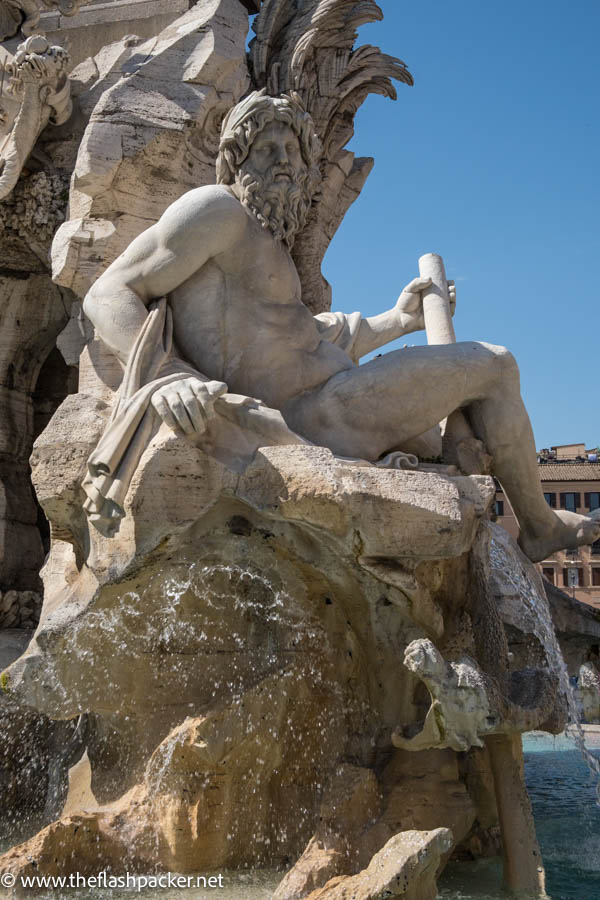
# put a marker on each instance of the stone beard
(278, 191)
(280, 202)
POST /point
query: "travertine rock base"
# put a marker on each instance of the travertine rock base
(239, 647)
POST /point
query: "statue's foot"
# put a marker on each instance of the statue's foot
(570, 530)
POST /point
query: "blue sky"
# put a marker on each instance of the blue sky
(492, 160)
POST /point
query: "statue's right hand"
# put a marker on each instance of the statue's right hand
(188, 404)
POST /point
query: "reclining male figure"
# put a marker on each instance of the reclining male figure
(222, 256)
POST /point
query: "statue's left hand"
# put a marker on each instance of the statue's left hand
(410, 304)
(187, 405)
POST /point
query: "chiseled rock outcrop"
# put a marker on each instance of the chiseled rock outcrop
(238, 617)
(361, 813)
(406, 867)
(152, 135)
(35, 754)
(33, 312)
(234, 619)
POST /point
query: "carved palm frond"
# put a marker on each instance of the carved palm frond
(307, 46)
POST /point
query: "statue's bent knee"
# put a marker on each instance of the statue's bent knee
(508, 366)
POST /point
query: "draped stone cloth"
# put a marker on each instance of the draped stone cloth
(241, 424)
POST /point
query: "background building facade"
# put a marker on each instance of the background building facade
(570, 477)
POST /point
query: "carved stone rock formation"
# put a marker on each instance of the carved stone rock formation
(33, 313)
(153, 135)
(235, 618)
(405, 867)
(19, 609)
(35, 754)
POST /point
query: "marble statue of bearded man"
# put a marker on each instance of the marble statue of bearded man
(233, 345)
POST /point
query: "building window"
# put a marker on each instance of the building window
(596, 548)
(570, 501)
(592, 500)
(596, 576)
(548, 574)
(572, 577)
(550, 499)
(499, 508)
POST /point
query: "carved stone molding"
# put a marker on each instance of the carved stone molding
(35, 90)
(24, 15)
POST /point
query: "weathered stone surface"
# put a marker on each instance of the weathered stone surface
(577, 627)
(176, 486)
(37, 92)
(523, 870)
(406, 867)
(415, 792)
(54, 848)
(267, 577)
(34, 756)
(350, 807)
(19, 609)
(100, 24)
(424, 791)
(152, 136)
(24, 15)
(32, 312)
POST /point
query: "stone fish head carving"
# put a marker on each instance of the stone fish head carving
(34, 90)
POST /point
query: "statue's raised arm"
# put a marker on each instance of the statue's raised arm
(359, 335)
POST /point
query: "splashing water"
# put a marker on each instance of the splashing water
(508, 565)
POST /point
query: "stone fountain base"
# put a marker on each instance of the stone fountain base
(256, 656)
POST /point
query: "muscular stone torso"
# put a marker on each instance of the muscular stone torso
(240, 319)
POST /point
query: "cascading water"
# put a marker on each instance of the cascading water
(506, 561)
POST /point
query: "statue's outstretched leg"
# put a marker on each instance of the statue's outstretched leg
(367, 410)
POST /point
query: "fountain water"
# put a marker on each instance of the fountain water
(510, 565)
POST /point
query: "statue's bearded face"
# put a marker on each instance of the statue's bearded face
(273, 181)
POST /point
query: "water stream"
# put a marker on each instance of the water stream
(506, 561)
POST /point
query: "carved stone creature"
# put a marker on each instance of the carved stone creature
(35, 91)
(460, 709)
(467, 704)
(24, 15)
(589, 691)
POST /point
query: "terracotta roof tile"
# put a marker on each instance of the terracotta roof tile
(569, 471)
